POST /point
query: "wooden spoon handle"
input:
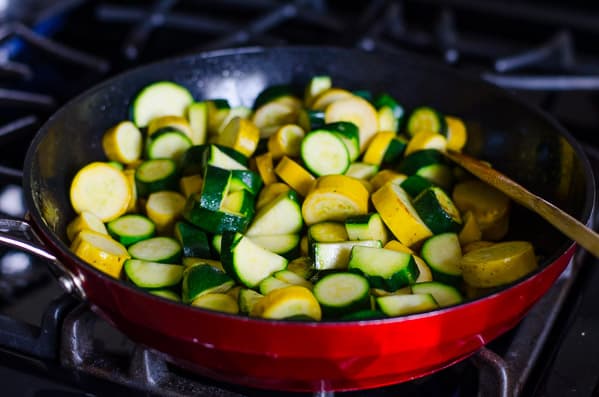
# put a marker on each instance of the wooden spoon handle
(568, 225)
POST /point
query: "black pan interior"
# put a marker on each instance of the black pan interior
(515, 138)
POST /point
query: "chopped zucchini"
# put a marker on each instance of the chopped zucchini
(437, 211)
(247, 262)
(324, 153)
(147, 274)
(281, 216)
(422, 158)
(342, 293)
(328, 232)
(162, 98)
(286, 245)
(247, 299)
(157, 249)
(204, 279)
(197, 114)
(361, 170)
(426, 119)
(167, 144)
(349, 135)
(445, 295)
(217, 302)
(401, 305)
(336, 255)
(367, 227)
(443, 254)
(385, 269)
(193, 240)
(415, 184)
(156, 175)
(131, 228)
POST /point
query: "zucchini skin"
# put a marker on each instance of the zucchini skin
(201, 279)
(416, 160)
(434, 214)
(168, 182)
(194, 241)
(211, 221)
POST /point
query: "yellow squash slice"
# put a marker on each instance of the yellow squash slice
(123, 143)
(426, 140)
(286, 141)
(85, 221)
(241, 135)
(191, 184)
(100, 251)
(164, 208)
(286, 302)
(499, 264)
(335, 198)
(470, 231)
(393, 204)
(326, 97)
(384, 176)
(101, 189)
(378, 146)
(178, 123)
(272, 115)
(130, 174)
(358, 111)
(456, 133)
(270, 192)
(295, 175)
(265, 168)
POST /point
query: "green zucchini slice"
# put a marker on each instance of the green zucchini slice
(445, 295)
(193, 240)
(282, 215)
(422, 158)
(204, 279)
(157, 249)
(367, 227)
(341, 293)
(384, 268)
(443, 253)
(246, 261)
(155, 175)
(328, 256)
(131, 228)
(167, 144)
(401, 305)
(147, 274)
(324, 153)
(162, 98)
(437, 211)
(350, 135)
(414, 184)
(426, 119)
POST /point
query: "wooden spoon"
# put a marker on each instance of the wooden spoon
(571, 227)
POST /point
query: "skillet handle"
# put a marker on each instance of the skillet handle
(17, 233)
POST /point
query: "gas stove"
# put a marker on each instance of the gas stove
(51, 344)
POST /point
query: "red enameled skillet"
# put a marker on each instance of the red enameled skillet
(517, 139)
